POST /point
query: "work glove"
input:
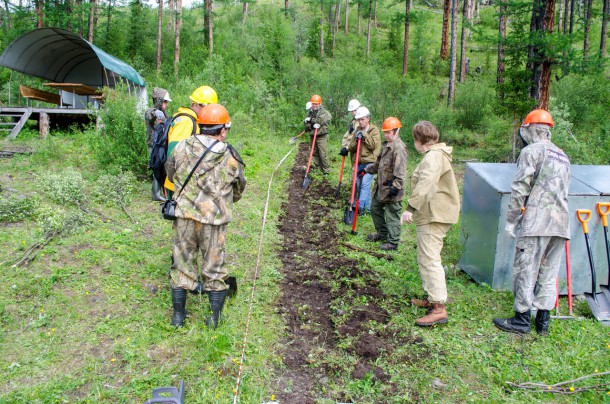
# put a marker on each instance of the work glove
(307, 119)
(351, 129)
(343, 152)
(316, 126)
(361, 172)
(393, 192)
(359, 134)
(510, 229)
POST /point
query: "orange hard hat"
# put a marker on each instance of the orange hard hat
(316, 99)
(391, 123)
(213, 114)
(539, 116)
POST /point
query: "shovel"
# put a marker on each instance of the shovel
(340, 178)
(600, 307)
(307, 179)
(569, 284)
(603, 208)
(348, 215)
(293, 140)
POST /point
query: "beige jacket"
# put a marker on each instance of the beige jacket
(370, 146)
(435, 197)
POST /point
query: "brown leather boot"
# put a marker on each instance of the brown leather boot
(424, 303)
(437, 314)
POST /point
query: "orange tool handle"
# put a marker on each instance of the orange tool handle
(579, 213)
(603, 213)
(522, 209)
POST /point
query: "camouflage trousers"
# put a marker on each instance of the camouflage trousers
(320, 158)
(429, 245)
(535, 269)
(193, 241)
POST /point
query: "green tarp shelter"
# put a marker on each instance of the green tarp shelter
(61, 56)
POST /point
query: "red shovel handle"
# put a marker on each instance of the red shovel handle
(354, 178)
(313, 145)
(583, 221)
(603, 212)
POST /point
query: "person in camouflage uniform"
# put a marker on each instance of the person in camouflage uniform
(152, 117)
(538, 216)
(434, 205)
(319, 118)
(389, 188)
(203, 211)
(370, 146)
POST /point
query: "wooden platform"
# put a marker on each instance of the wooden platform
(15, 118)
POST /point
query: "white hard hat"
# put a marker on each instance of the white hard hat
(353, 105)
(362, 112)
(166, 97)
(308, 105)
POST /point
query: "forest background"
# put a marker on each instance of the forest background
(83, 299)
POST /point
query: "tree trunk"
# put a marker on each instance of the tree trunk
(39, 13)
(405, 58)
(210, 25)
(445, 33)
(572, 7)
(322, 28)
(245, 14)
(543, 21)
(178, 28)
(9, 21)
(375, 14)
(465, 15)
(91, 21)
(345, 28)
(560, 17)
(588, 4)
(171, 12)
(451, 92)
(358, 17)
(336, 23)
(69, 13)
(604, 29)
(566, 15)
(108, 22)
(547, 64)
(368, 31)
(79, 6)
(285, 7)
(159, 34)
(501, 47)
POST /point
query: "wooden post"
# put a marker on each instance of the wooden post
(43, 125)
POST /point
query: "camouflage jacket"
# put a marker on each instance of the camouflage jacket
(540, 186)
(152, 117)
(217, 183)
(391, 170)
(435, 197)
(321, 117)
(370, 146)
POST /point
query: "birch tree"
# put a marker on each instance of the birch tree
(159, 34)
(177, 36)
(405, 58)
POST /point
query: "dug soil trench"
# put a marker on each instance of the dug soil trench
(336, 323)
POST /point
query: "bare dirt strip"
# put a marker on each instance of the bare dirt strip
(317, 279)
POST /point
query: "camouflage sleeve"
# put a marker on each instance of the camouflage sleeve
(374, 167)
(427, 183)
(521, 186)
(400, 168)
(170, 167)
(323, 120)
(345, 141)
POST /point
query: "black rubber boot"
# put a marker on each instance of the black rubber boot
(179, 303)
(198, 289)
(542, 322)
(217, 301)
(157, 195)
(520, 324)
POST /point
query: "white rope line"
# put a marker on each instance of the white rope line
(258, 258)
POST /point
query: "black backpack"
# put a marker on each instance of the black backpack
(158, 154)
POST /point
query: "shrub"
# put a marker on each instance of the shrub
(120, 142)
(65, 187)
(109, 187)
(15, 208)
(473, 102)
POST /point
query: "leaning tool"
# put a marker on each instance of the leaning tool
(599, 307)
(307, 179)
(569, 285)
(603, 208)
(340, 178)
(293, 140)
(348, 215)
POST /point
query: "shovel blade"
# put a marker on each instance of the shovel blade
(306, 182)
(348, 216)
(599, 303)
(338, 193)
(292, 140)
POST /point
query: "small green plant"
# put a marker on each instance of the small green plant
(65, 187)
(15, 208)
(110, 186)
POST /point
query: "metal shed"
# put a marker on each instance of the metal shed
(488, 252)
